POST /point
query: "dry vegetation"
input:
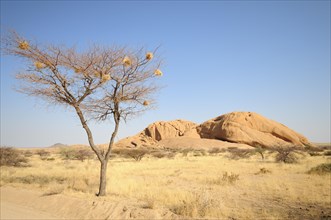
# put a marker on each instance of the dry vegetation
(190, 183)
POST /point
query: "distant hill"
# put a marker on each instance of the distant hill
(58, 145)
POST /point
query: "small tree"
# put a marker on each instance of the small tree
(260, 150)
(99, 84)
(287, 154)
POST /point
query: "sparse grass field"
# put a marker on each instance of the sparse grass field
(204, 186)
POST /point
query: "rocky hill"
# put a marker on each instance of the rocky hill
(246, 129)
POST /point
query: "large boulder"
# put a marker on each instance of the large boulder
(138, 140)
(252, 129)
(159, 131)
(171, 129)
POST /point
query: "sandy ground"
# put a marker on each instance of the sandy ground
(17, 203)
(14, 211)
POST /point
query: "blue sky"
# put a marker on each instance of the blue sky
(269, 57)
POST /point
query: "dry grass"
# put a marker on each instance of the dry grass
(197, 187)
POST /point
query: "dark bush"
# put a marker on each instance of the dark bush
(237, 154)
(76, 154)
(287, 154)
(28, 153)
(215, 150)
(12, 157)
(43, 154)
(83, 154)
(327, 153)
(260, 150)
(313, 153)
(136, 154)
(159, 154)
(324, 168)
(199, 152)
(185, 151)
(325, 147)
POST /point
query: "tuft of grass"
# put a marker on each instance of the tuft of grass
(53, 191)
(196, 206)
(322, 169)
(225, 179)
(263, 171)
(150, 202)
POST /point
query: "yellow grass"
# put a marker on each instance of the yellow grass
(189, 186)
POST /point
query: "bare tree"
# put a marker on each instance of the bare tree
(102, 83)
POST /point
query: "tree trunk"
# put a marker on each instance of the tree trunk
(103, 178)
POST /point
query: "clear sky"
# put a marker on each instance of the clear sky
(269, 57)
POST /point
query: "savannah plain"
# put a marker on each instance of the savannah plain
(167, 183)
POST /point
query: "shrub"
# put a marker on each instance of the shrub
(162, 154)
(159, 154)
(287, 154)
(42, 180)
(76, 154)
(313, 154)
(313, 151)
(67, 153)
(83, 154)
(325, 147)
(199, 152)
(171, 155)
(324, 168)
(185, 151)
(136, 154)
(215, 150)
(327, 153)
(260, 150)
(12, 157)
(43, 154)
(240, 153)
(28, 153)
